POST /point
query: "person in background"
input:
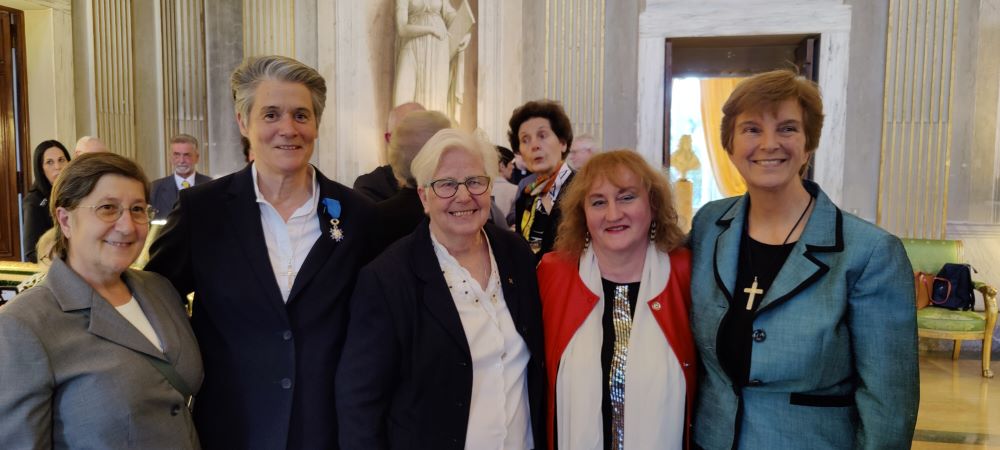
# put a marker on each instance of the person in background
(615, 303)
(89, 144)
(803, 315)
(400, 214)
(541, 133)
(271, 253)
(444, 348)
(44, 251)
(48, 161)
(520, 170)
(98, 355)
(183, 151)
(381, 183)
(584, 146)
(505, 192)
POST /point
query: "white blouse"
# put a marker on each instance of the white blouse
(499, 417)
(133, 313)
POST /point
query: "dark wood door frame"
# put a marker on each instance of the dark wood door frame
(14, 151)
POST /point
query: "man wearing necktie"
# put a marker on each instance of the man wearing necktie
(183, 152)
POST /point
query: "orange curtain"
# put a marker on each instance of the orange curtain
(714, 93)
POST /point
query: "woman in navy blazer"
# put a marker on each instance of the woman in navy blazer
(803, 315)
(444, 348)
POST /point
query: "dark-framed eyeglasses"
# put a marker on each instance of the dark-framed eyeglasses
(448, 187)
(111, 212)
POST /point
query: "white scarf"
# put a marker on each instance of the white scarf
(655, 388)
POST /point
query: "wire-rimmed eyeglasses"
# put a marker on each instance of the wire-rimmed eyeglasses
(111, 212)
(448, 187)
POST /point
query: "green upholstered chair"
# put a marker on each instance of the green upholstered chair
(928, 255)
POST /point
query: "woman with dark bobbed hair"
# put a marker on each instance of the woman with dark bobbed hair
(48, 160)
(541, 132)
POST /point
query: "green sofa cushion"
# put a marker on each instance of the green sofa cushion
(944, 319)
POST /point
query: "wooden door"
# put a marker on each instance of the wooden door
(15, 163)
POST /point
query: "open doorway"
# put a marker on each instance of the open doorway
(14, 159)
(700, 73)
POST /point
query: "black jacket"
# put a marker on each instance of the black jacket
(269, 365)
(377, 185)
(406, 378)
(37, 221)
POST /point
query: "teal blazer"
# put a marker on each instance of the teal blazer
(834, 362)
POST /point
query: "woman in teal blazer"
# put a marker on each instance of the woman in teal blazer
(803, 315)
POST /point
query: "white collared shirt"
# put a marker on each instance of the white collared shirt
(179, 180)
(288, 243)
(499, 417)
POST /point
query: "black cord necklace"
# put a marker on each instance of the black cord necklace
(753, 290)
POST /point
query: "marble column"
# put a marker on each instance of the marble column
(223, 53)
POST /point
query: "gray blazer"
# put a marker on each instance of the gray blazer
(163, 193)
(73, 373)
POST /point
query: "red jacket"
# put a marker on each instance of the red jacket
(566, 303)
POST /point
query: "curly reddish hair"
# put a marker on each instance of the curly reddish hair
(572, 234)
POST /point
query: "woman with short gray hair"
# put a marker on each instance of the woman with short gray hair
(444, 348)
(272, 252)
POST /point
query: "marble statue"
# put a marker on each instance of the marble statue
(431, 39)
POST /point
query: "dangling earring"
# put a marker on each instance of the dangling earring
(586, 240)
(652, 231)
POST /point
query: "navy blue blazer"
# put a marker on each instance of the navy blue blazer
(406, 378)
(269, 366)
(834, 357)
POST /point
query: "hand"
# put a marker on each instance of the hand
(464, 44)
(440, 31)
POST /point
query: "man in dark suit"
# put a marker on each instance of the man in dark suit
(380, 184)
(184, 156)
(271, 253)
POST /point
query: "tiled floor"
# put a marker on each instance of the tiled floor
(959, 409)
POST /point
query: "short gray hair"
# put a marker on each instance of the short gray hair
(426, 162)
(255, 69)
(186, 139)
(409, 137)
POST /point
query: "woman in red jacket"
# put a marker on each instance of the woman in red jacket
(615, 299)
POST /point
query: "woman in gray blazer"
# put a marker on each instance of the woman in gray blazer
(803, 316)
(98, 355)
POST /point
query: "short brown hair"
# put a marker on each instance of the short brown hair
(571, 237)
(185, 139)
(766, 91)
(77, 181)
(545, 109)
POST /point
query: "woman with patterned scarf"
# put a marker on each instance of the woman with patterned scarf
(541, 132)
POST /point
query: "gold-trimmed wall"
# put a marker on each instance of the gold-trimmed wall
(917, 126)
(574, 60)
